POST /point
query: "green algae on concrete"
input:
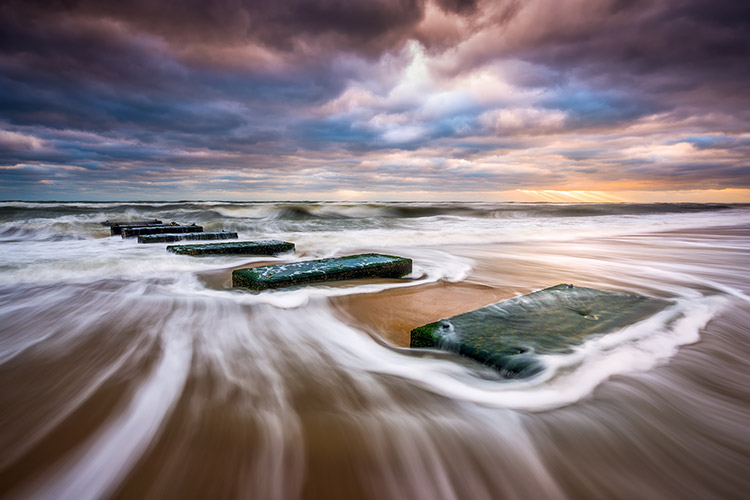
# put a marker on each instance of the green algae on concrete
(132, 232)
(170, 238)
(314, 271)
(112, 223)
(115, 230)
(511, 334)
(264, 247)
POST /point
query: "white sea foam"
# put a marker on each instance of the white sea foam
(444, 247)
(566, 379)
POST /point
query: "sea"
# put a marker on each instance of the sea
(127, 371)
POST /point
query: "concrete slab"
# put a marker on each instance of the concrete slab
(132, 232)
(511, 334)
(171, 238)
(116, 228)
(315, 271)
(112, 223)
(263, 247)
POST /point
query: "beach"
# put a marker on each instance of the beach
(130, 372)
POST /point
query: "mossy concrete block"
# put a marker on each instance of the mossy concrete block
(171, 238)
(314, 271)
(512, 334)
(264, 247)
(116, 228)
(112, 223)
(132, 232)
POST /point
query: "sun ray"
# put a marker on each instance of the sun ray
(556, 196)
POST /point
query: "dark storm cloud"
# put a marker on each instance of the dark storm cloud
(458, 6)
(73, 73)
(150, 89)
(364, 25)
(696, 49)
(116, 68)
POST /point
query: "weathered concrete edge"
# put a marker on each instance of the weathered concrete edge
(117, 229)
(424, 336)
(111, 223)
(214, 249)
(171, 238)
(132, 232)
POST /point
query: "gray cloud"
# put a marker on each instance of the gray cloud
(155, 90)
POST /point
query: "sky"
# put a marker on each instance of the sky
(506, 100)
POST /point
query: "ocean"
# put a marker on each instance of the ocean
(127, 371)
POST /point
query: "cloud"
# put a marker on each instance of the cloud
(367, 26)
(395, 94)
(15, 143)
(507, 121)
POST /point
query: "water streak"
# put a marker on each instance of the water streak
(130, 372)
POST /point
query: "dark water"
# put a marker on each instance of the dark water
(129, 372)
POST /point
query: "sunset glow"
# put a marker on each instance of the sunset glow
(574, 196)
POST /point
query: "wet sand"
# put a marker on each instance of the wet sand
(392, 314)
